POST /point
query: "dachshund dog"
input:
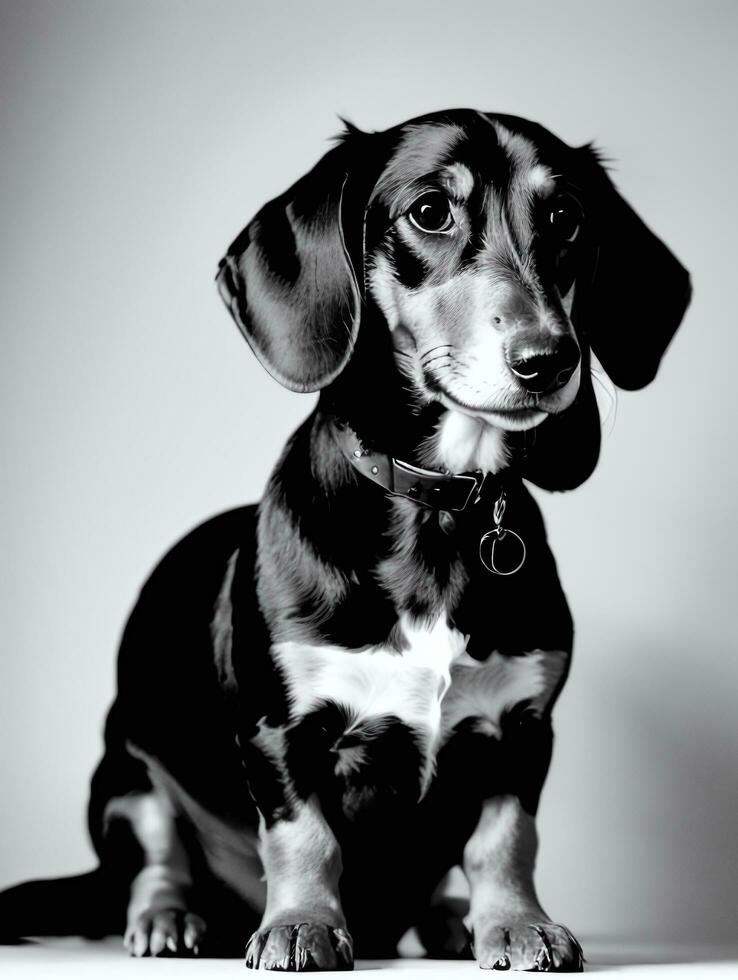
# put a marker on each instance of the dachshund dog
(328, 701)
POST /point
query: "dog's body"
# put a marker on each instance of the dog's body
(329, 701)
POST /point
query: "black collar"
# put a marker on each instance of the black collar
(432, 488)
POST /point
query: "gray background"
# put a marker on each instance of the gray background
(137, 139)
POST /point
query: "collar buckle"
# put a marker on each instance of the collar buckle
(443, 491)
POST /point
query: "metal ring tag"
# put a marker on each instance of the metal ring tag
(499, 558)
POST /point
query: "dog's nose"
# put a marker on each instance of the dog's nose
(545, 370)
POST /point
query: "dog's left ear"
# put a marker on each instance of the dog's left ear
(289, 278)
(639, 290)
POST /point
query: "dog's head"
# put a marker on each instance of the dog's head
(497, 257)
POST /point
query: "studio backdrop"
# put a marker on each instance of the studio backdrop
(137, 139)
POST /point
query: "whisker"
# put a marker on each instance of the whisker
(438, 357)
(432, 350)
(611, 392)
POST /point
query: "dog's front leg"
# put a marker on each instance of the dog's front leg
(303, 927)
(510, 929)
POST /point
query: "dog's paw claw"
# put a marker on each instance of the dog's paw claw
(165, 932)
(300, 947)
(543, 947)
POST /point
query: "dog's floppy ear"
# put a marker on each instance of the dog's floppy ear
(639, 291)
(288, 278)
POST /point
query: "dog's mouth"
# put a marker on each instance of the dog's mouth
(514, 419)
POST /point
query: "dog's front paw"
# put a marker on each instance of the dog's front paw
(303, 946)
(164, 932)
(533, 946)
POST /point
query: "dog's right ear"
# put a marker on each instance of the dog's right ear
(639, 291)
(290, 278)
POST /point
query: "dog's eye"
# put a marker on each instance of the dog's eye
(431, 213)
(565, 219)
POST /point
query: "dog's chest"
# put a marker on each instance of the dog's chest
(430, 686)
(378, 683)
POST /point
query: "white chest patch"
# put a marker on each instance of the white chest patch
(430, 686)
(378, 682)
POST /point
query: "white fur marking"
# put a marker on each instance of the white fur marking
(463, 442)
(486, 689)
(540, 178)
(371, 684)
(459, 180)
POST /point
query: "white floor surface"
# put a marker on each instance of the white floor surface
(106, 960)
